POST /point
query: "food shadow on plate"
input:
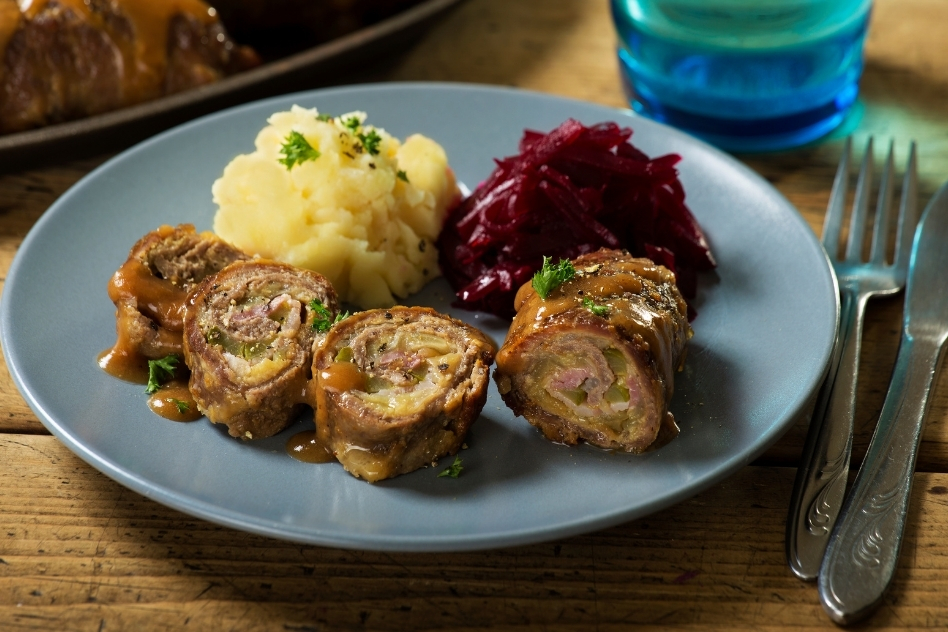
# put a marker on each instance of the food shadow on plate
(705, 406)
(496, 455)
(499, 450)
(708, 283)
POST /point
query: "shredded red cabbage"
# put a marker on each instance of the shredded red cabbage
(574, 190)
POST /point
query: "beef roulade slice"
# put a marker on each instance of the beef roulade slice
(150, 289)
(398, 389)
(249, 333)
(595, 360)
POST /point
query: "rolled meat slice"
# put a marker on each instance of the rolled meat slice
(249, 334)
(149, 293)
(398, 389)
(596, 359)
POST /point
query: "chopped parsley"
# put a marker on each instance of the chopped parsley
(598, 310)
(325, 118)
(182, 407)
(324, 320)
(552, 276)
(160, 371)
(370, 140)
(296, 150)
(353, 123)
(401, 175)
(454, 470)
(323, 317)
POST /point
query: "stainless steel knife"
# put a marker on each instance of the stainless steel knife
(863, 551)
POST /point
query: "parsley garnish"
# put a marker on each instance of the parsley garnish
(323, 319)
(296, 150)
(401, 175)
(370, 141)
(325, 118)
(454, 470)
(160, 371)
(183, 407)
(598, 310)
(552, 276)
(353, 123)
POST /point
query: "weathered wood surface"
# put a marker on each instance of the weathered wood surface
(79, 552)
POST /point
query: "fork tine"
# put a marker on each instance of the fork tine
(908, 213)
(833, 221)
(880, 232)
(857, 223)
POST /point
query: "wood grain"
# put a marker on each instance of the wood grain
(80, 552)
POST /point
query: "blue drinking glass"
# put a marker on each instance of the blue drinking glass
(745, 75)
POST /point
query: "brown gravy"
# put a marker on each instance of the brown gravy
(605, 285)
(343, 376)
(157, 298)
(125, 364)
(306, 447)
(174, 401)
(9, 21)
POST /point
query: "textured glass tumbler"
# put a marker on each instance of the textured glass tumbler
(745, 75)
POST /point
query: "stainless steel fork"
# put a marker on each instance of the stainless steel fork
(820, 485)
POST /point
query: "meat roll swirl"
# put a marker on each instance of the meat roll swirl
(249, 333)
(397, 389)
(150, 289)
(596, 359)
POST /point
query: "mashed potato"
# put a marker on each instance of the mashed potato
(360, 207)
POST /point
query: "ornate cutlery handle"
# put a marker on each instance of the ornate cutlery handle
(820, 485)
(863, 551)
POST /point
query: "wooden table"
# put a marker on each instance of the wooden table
(80, 552)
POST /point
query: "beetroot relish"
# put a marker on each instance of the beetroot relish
(572, 191)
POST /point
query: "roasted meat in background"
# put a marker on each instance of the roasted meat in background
(398, 389)
(149, 293)
(595, 360)
(249, 334)
(67, 59)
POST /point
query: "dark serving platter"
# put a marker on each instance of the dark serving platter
(324, 64)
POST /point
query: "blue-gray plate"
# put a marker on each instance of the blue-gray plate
(763, 336)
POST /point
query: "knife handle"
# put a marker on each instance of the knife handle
(864, 548)
(820, 485)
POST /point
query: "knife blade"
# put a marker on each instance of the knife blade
(863, 551)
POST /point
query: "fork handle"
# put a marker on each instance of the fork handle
(820, 484)
(864, 548)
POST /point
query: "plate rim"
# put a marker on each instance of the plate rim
(389, 542)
